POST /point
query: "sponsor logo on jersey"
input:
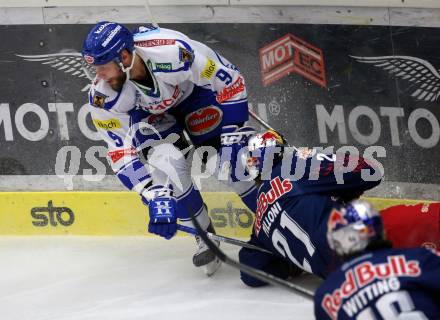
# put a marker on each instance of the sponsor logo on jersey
(229, 92)
(186, 56)
(155, 42)
(163, 66)
(278, 188)
(364, 274)
(290, 54)
(162, 105)
(117, 155)
(209, 69)
(109, 124)
(203, 120)
(98, 99)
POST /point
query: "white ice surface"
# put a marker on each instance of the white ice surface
(79, 278)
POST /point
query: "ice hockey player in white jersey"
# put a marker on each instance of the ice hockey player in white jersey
(149, 87)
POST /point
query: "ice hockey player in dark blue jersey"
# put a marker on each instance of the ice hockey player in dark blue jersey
(299, 190)
(376, 282)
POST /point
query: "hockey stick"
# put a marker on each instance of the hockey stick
(149, 14)
(261, 121)
(265, 124)
(258, 274)
(216, 237)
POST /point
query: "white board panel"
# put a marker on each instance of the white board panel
(116, 3)
(224, 14)
(203, 14)
(354, 3)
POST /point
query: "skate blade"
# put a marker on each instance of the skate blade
(212, 267)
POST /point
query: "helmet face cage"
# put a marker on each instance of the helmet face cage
(264, 150)
(348, 240)
(104, 43)
(353, 228)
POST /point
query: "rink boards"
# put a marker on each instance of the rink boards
(115, 213)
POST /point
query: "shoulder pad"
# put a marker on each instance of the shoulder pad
(145, 29)
(168, 50)
(101, 95)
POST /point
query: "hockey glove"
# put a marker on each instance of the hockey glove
(162, 210)
(233, 139)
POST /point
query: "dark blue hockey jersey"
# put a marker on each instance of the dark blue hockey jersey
(383, 284)
(292, 215)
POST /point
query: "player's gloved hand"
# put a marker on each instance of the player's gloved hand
(162, 209)
(234, 139)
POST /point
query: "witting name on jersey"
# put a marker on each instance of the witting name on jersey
(279, 188)
(360, 290)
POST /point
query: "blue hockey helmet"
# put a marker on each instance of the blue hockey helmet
(105, 41)
(261, 148)
(351, 229)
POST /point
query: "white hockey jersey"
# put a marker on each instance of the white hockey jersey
(177, 64)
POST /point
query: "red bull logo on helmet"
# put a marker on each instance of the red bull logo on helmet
(336, 219)
(272, 135)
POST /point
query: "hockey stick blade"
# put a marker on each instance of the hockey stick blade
(224, 239)
(258, 274)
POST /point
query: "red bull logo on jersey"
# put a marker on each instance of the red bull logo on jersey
(366, 282)
(278, 188)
